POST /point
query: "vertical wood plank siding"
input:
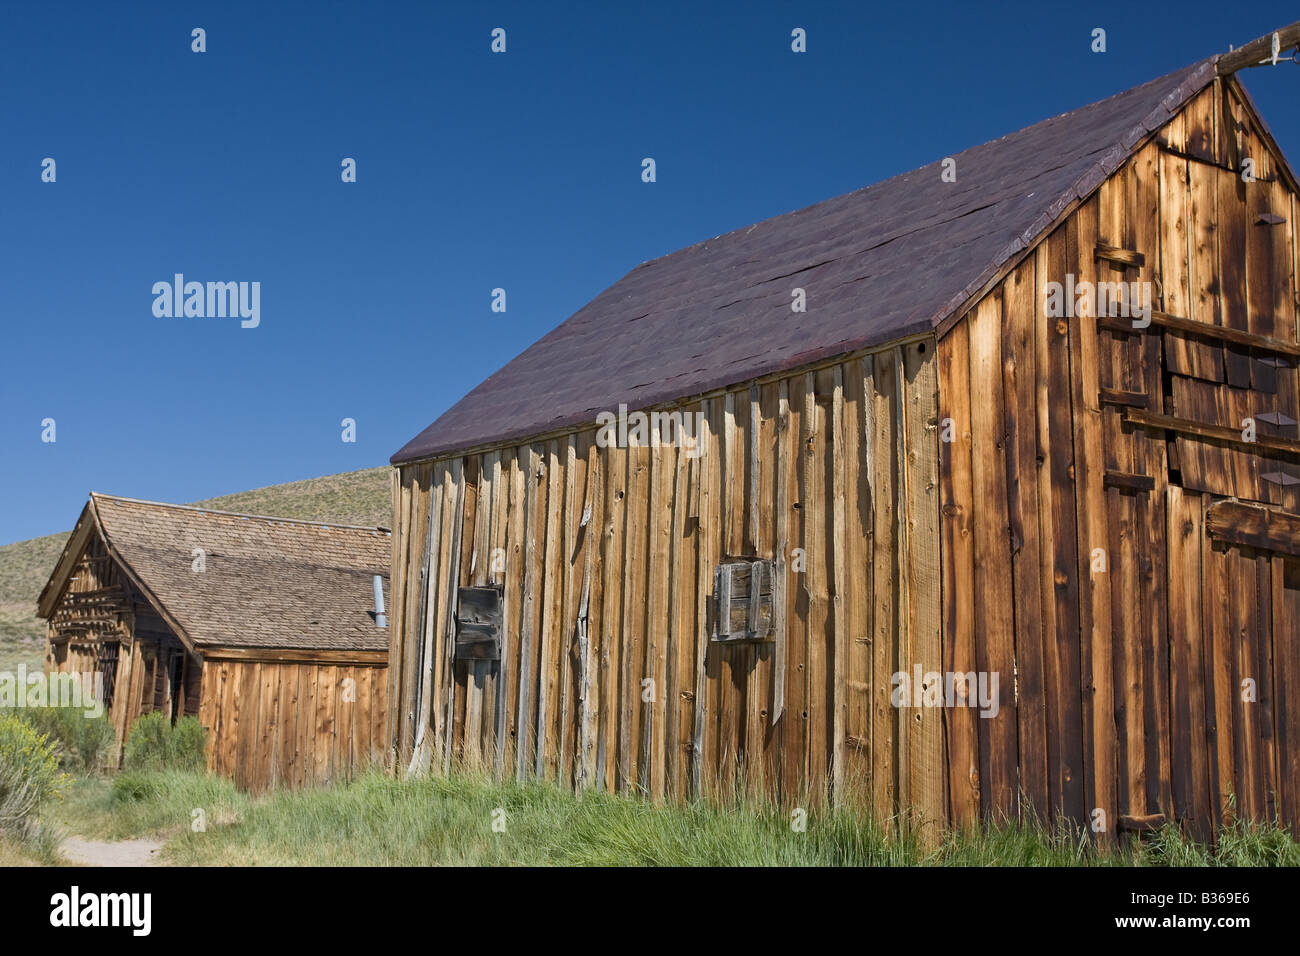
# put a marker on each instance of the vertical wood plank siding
(979, 504)
(1128, 631)
(274, 724)
(606, 557)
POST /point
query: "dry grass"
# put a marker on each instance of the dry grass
(15, 854)
(24, 569)
(354, 497)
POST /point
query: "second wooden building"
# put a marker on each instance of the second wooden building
(266, 629)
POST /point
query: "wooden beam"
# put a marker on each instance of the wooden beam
(1186, 426)
(66, 566)
(1118, 396)
(1223, 333)
(1148, 823)
(357, 658)
(1259, 51)
(1254, 527)
(1122, 257)
(1128, 482)
(1206, 330)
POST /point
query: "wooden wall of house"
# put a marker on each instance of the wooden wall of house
(606, 559)
(74, 657)
(1075, 497)
(100, 624)
(292, 724)
(142, 684)
(92, 613)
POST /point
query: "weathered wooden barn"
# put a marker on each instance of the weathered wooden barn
(1057, 526)
(263, 628)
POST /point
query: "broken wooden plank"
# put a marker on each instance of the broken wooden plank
(1267, 529)
(1146, 823)
(1121, 257)
(1128, 482)
(1118, 396)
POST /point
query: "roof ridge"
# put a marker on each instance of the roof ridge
(274, 558)
(1190, 69)
(101, 496)
(1196, 76)
(710, 302)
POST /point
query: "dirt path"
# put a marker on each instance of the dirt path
(123, 853)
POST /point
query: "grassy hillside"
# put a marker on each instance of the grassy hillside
(357, 497)
(24, 568)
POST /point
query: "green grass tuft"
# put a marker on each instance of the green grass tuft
(155, 743)
(435, 821)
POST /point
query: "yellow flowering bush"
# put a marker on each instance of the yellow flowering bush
(29, 775)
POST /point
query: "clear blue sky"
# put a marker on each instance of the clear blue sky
(474, 171)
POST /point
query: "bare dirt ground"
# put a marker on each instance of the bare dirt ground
(122, 853)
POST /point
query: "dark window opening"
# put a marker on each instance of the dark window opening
(176, 670)
(107, 665)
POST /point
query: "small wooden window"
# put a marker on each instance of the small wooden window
(743, 601)
(478, 625)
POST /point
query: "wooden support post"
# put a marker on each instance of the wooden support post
(1260, 51)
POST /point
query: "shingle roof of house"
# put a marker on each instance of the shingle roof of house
(267, 583)
(879, 264)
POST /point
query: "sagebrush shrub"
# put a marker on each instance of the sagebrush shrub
(188, 745)
(82, 743)
(154, 743)
(29, 775)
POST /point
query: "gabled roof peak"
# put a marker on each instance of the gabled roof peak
(222, 579)
(883, 263)
(101, 496)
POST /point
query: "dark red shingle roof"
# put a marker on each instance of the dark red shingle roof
(879, 264)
